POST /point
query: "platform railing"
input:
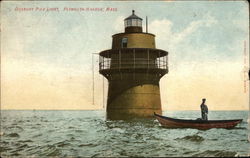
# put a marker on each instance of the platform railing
(135, 63)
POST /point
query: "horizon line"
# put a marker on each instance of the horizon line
(102, 110)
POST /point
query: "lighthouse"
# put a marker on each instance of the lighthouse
(133, 68)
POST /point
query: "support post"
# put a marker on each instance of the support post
(103, 92)
(93, 81)
(134, 64)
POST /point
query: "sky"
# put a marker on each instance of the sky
(46, 55)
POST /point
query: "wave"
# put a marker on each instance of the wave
(80, 131)
(37, 135)
(216, 153)
(62, 144)
(20, 148)
(4, 149)
(13, 135)
(25, 141)
(193, 138)
(88, 144)
(14, 127)
(49, 150)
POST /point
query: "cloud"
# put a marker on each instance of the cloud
(208, 21)
(168, 39)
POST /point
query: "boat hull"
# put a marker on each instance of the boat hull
(198, 124)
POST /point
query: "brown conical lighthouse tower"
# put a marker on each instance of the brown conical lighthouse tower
(133, 68)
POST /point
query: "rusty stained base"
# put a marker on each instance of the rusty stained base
(138, 101)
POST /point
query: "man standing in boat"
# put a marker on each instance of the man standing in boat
(204, 109)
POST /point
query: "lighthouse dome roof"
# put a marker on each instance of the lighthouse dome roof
(133, 16)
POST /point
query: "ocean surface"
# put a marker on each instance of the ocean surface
(89, 134)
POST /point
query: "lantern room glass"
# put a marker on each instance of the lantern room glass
(133, 22)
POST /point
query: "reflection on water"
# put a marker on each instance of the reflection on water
(87, 133)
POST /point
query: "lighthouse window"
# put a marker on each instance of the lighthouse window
(134, 22)
(124, 42)
(139, 23)
(129, 22)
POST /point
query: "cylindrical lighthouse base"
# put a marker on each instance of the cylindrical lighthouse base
(137, 101)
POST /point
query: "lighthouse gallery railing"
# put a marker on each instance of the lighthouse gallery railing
(120, 60)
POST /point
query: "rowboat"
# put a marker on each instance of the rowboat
(198, 124)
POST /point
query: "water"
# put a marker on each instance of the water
(87, 133)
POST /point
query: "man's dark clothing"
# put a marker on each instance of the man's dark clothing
(204, 111)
